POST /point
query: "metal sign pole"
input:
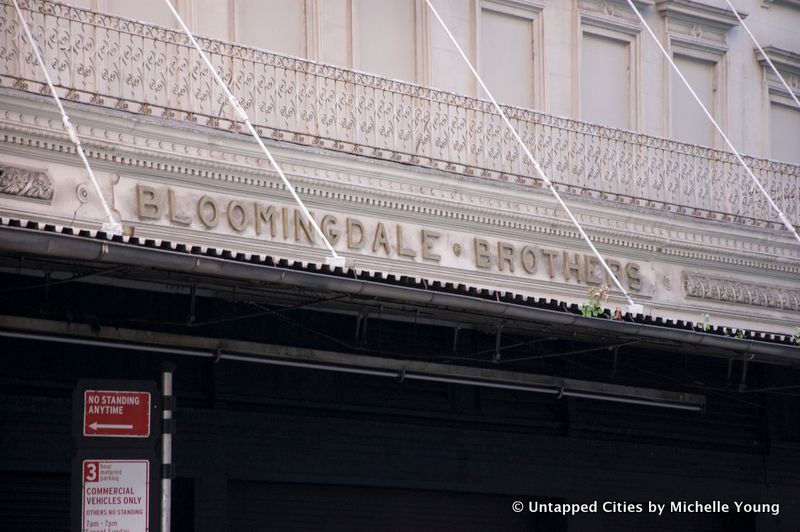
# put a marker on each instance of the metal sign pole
(166, 448)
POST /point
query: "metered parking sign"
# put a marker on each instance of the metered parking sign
(116, 495)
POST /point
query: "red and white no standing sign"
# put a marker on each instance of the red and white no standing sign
(111, 413)
(115, 495)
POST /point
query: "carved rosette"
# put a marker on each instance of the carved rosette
(739, 292)
(26, 183)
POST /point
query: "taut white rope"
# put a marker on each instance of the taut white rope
(749, 172)
(769, 61)
(334, 260)
(112, 227)
(633, 306)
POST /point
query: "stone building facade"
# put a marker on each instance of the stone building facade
(413, 177)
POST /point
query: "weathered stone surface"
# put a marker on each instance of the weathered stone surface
(26, 183)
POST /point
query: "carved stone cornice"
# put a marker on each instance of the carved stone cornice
(698, 13)
(612, 14)
(790, 3)
(232, 163)
(740, 292)
(784, 60)
(527, 5)
(787, 63)
(696, 28)
(25, 183)
(348, 113)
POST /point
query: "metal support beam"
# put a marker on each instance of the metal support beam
(192, 305)
(361, 330)
(729, 377)
(231, 349)
(743, 379)
(497, 342)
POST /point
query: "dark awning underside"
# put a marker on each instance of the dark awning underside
(460, 303)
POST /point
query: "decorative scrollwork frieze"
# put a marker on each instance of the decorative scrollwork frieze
(25, 183)
(739, 292)
(139, 68)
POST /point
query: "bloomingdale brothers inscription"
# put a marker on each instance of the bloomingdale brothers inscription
(264, 220)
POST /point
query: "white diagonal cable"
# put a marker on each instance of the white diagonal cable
(769, 61)
(533, 161)
(334, 259)
(749, 172)
(112, 227)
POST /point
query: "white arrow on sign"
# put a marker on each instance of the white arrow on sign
(96, 425)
